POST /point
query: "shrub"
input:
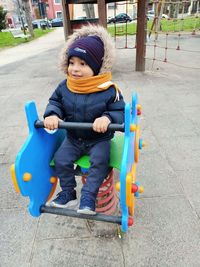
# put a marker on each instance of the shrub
(2, 18)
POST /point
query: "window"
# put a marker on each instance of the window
(59, 14)
(57, 1)
(111, 6)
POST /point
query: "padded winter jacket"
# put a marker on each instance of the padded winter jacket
(73, 107)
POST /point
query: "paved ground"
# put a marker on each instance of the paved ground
(167, 218)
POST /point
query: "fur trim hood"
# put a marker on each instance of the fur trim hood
(109, 48)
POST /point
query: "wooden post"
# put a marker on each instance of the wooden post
(102, 13)
(66, 19)
(141, 35)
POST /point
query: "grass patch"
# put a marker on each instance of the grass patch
(171, 25)
(176, 25)
(7, 39)
(121, 29)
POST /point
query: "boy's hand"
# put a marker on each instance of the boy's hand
(100, 125)
(51, 122)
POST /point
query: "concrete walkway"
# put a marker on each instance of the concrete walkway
(33, 48)
(166, 231)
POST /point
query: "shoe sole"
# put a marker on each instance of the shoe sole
(86, 211)
(70, 204)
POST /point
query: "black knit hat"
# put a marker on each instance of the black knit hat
(90, 49)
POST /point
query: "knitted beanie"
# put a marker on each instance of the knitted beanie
(90, 49)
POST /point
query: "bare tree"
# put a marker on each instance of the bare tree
(27, 11)
(89, 10)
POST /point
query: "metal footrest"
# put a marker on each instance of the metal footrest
(73, 213)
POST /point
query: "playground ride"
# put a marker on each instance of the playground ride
(33, 172)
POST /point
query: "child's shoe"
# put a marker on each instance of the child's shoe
(64, 199)
(87, 205)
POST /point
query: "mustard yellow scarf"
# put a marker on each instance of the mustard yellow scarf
(91, 84)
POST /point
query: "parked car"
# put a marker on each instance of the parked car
(122, 17)
(57, 22)
(151, 15)
(41, 23)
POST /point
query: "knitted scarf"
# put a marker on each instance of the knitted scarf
(91, 84)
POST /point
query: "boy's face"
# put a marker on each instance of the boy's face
(78, 68)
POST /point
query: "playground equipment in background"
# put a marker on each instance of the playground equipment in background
(33, 174)
(172, 20)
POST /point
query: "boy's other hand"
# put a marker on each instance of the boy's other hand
(51, 122)
(100, 125)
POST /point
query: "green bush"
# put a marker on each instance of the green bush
(2, 18)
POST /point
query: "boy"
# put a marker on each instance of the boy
(87, 95)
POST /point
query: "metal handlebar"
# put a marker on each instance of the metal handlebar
(81, 126)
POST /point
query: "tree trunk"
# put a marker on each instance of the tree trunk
(27, 10)
(89, 10)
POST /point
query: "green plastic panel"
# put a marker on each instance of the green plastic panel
(117, 145)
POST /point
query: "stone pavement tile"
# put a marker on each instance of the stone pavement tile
(183, 86)
(28, 70)
(87, 252)
(10, 199)
(14, 146)
(171, 126)
(186, 97)
(156, 104)
(166, 233)
(182, 152)
(3, 149)
(17, 234)
(157, 176)
(147, 136)
(104, 229)
(192, 113)
(191, 186)
(59, 227)
(12, 137)
(13, 116)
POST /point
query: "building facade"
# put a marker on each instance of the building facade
(54, 9)
(51, 9)
(15, 13)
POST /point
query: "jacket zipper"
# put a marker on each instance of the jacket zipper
(75, 99)
(85, 107)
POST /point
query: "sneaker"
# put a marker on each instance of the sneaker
(87, 205)
(64, 199)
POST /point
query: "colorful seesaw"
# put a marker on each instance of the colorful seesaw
(33, 172)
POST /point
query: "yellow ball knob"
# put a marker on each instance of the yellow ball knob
(141, 189)
(133, 127)
(27, 176)
(144, 144)
(117, 186)
(53, 180)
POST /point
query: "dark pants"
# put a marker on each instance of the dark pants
(70, 151)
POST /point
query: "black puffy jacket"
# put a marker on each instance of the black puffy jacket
(74, 107)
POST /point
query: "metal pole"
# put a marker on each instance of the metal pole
(73, 213)
(81, 126)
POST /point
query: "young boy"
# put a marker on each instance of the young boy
(87, 95)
